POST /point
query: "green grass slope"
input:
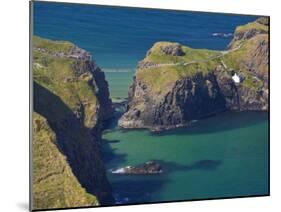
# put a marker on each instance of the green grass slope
(54, 185)
(58, 75)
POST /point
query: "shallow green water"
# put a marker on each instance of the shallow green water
(222, 156)
(119, 83)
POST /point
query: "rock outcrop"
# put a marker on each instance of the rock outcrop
(71, 101)
(246, 32)
(175, 84)
(172, 49)
(149, 167)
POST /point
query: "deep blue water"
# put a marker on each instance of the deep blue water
(119, 37)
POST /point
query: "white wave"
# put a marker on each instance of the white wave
(118, 171)
(221, 34)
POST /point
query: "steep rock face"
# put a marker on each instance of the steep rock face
(71, 94)
(175, 84)
(188, 99)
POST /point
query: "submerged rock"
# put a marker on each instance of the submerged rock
(150, 167)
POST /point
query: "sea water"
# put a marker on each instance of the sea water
(222, 156)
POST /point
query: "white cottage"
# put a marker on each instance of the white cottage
(236, 78)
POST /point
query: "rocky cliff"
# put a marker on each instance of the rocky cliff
(175, 84)
(71, 101)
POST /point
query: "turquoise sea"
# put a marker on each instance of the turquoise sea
(221, 156)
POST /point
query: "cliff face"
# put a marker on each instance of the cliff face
(175, 84)
(54, 184)
(71, 100)
(250, 61)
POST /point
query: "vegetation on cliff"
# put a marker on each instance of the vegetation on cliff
(260, 25)
(58, 75)
(54, 184)
(166, 68)
(70, 100)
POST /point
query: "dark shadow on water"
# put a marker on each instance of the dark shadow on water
(114, 121)
(128, 190)
(109, 153)
(219, 123)
(112, 141)
(205, 165)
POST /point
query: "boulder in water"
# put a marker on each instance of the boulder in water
(150, 167)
